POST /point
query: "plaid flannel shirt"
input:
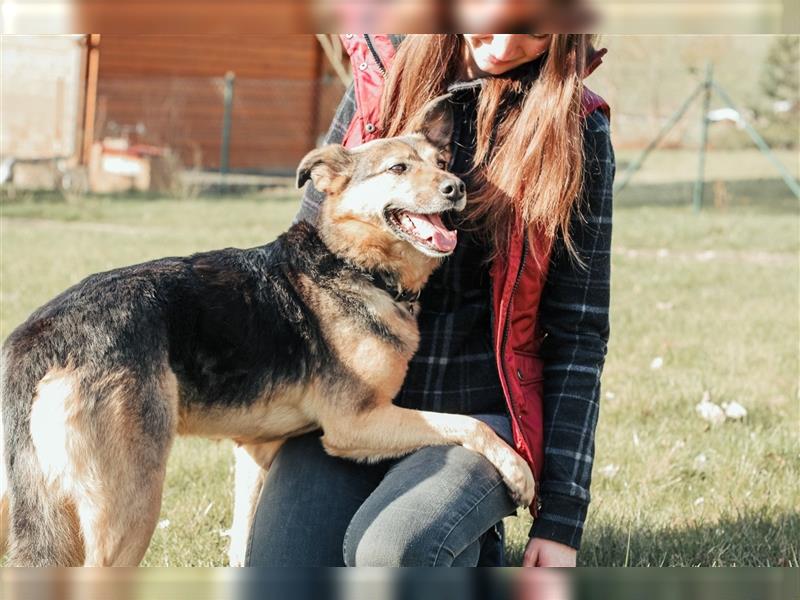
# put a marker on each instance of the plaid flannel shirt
(574, 316)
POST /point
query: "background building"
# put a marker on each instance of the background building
(62, 93)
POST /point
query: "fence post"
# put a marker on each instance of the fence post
(639, 161)
(699, 185)
(227, 99)
(90, 96)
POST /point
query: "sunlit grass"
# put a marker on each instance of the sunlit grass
(714, 295)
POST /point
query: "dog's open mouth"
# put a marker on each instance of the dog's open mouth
(427, 231)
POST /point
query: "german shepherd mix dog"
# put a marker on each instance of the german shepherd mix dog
(314, 330)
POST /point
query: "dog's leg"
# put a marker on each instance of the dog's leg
(248, 479)
(389, 431)
(44, 528)
(120, 463)
(119, 499)
(118, 521)
(252, 461)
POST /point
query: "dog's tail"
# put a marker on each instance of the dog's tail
(35, 509)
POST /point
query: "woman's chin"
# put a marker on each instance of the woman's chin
(493, 68)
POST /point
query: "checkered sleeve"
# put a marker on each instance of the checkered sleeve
(309, 205)
(574, 318)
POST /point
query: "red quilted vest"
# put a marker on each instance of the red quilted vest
(518, 277)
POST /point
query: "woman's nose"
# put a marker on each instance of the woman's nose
(503, 46)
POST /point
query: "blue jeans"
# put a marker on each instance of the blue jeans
(435, 507)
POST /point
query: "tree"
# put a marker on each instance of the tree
(780, 84)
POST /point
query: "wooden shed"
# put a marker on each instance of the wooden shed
(168, 90)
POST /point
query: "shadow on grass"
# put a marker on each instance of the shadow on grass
(748, 540)
(769, 195)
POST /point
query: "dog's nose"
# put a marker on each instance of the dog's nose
(452, 189)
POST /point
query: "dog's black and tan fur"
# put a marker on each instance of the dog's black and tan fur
(253, 345)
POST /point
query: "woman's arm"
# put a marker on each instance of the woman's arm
(309, 206)
(574, 317)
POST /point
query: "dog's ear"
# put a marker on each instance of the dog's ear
(435, 121)
(328, 167)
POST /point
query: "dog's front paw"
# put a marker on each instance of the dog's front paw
(518, 477)
(516, 473)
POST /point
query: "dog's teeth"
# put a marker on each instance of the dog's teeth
(408, 222)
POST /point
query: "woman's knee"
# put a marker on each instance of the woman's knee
(426, 511)
(381, 546)
(388, 543)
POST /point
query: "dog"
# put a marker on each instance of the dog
(314, 330)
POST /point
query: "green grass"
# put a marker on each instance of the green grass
(715, 295)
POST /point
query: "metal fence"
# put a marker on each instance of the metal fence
(222, 123)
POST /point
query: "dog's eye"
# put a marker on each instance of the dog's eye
(398, 168)
(442, 164)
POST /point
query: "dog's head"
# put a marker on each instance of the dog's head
(384, 200)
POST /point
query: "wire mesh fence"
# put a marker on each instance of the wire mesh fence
(273, 123)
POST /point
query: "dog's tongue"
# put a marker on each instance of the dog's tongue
(430, 227)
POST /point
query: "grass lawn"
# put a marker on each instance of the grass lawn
(714, 295)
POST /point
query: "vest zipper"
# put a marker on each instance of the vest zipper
(375, 55)
(506, 327)
(507, 324)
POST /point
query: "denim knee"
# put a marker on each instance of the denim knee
(377, 551)
(379, 545)
(431, 507)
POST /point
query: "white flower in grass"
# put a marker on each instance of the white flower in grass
(662, 253)
(636, 439)
(700, 462)
(610, 395)
(609, 471)
(706, 255)
(709, 411)
(163, 524)
(699, 501)
(657, 363)
(734, 410)
(664, 305)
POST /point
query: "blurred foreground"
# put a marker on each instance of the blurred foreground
(400, 584)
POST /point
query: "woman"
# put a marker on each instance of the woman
(514, 325)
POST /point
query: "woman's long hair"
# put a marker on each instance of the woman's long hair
(528, 161)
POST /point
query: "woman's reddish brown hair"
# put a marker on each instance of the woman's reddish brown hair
(528, 162)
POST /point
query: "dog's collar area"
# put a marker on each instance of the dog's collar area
(390, 285)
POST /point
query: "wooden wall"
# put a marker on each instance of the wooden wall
(169, 90)
(40, 95)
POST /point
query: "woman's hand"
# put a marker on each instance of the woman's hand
(547, 553)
